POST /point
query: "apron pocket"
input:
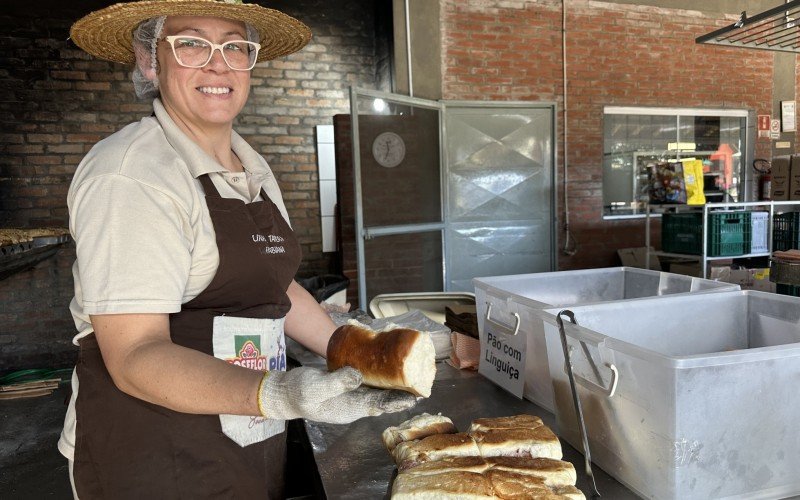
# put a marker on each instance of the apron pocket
(257, 344)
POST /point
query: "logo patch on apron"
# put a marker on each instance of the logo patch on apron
(256, 344)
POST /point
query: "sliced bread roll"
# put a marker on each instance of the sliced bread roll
(411, 453)
(447, 485)
(512, 486)
(417, 427)
(463, 464)
(468, 485)
(537, 442)
(400, 358)
(509, 485)
(512, 422)
(552, 472)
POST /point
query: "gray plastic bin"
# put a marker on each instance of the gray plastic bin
(705, 401)
(528, 294)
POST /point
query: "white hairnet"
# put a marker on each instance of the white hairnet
(145, 41)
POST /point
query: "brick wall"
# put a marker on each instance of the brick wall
(617, 54)
(58, 102)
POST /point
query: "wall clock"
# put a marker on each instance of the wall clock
(389, 149)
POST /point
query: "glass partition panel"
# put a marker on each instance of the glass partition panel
(636, 140)
(718, 141)
(400, 174)
(631, 142)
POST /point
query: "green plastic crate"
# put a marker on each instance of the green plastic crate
(786, 231)
(682, 233)
(729, 233)
(783, 289)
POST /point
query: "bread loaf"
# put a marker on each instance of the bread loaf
(417, 427)
(466, 485)
(511, 486)
(451, 464)
(455, 485)
(512, 422)
(412, 453)
(396, 359)
(553, 472)
(538, 442)
(503, 458)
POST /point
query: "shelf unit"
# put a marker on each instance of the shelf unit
(771, 207)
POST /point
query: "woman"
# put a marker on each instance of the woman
(183, 277)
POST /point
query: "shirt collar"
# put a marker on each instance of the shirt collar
(197, 160)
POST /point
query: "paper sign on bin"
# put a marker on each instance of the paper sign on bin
(503, 355)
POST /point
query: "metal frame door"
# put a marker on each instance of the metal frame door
(363, 232)
(444, 225)
(500, 177)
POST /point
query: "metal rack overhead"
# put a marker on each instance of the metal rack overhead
(776, 29)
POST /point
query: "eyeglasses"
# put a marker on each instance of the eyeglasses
(196, 52)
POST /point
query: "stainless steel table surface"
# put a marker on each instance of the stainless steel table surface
(353, 462)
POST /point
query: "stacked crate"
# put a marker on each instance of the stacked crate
(786, 231)
(786, 236)
(759, 221)
(729, 233)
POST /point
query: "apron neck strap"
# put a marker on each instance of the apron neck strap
(208, 186)
(211, 190)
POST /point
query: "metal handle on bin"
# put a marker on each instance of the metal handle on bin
(501, 325)
(587, 456)
(592, 386)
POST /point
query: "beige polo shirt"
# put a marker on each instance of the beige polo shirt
(145, 241)
(144, 237)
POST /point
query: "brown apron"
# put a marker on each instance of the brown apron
(128, 448)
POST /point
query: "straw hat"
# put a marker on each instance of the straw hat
(108, 33)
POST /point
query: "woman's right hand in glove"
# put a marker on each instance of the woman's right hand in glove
(331, 397)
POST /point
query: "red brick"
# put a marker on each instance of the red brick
(68, 75)
(93, 86)
(49, 138)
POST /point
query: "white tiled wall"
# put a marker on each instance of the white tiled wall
(326, 163)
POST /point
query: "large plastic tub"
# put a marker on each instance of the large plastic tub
(528, 294)
(706, 401)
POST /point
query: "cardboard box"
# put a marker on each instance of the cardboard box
(747, 279)
(636, 257)
(781, 175)
(794, 180)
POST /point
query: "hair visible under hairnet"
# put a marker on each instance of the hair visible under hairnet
(145, 41)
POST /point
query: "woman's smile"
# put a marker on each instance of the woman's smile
(217, 91)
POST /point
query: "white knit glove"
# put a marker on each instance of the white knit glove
(332, 397)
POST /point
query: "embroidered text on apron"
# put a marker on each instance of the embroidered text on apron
(128, 448)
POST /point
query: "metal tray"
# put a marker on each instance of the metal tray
(432, 304)
(16, 248)
(22, 256)
(41, 241)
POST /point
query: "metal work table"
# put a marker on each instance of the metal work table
(354, 464)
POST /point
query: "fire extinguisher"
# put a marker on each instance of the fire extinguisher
(764, 167)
